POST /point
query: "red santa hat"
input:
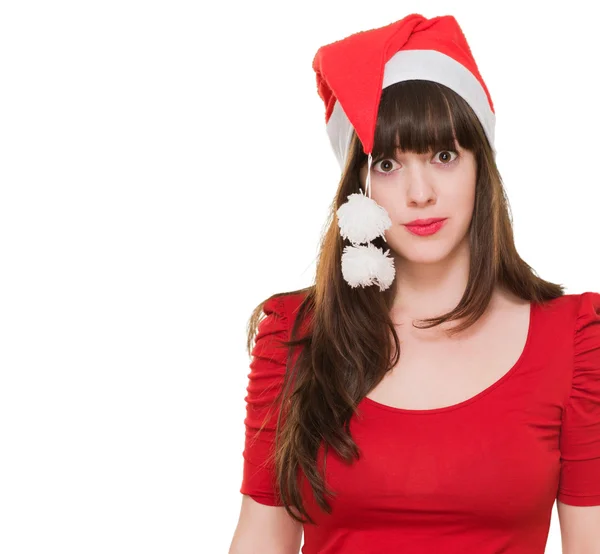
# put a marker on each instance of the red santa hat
(351, 74)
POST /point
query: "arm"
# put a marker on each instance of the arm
(264, 526)
(578, 500)
(579, 528)
(263, 529)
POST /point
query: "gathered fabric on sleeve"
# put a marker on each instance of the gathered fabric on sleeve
(580, 432)
(265, 380)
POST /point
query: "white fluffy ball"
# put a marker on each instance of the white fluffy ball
(361, 219)
(367, 265)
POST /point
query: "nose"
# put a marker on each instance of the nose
(420, 191)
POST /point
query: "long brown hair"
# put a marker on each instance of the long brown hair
(347, 349)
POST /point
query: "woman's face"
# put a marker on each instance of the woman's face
(421, 186)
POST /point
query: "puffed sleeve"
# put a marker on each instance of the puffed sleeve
(267, 370)
(580, 433)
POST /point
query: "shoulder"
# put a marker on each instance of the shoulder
(284, 306)
(580, 310)
(581, 317)
(573, 310)
(588, 305)
(587, 328)
(278, 315)
(565, 325)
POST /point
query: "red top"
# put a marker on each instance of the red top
(478, 476)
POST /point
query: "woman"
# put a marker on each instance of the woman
(430, 392)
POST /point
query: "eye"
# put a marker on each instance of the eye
(387, 164)
(447, 161)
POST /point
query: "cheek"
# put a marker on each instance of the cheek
(460, 209)
(461, 195)
(464, 201)
(388, 199)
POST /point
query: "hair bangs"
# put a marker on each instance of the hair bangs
(421, 116)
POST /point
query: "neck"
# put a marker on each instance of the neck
(424, 290)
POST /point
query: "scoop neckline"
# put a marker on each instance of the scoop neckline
(532, 320)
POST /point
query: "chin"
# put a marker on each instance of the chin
(427, 254)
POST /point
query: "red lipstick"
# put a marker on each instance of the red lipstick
(423, 227)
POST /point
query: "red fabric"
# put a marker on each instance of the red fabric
(351, 70)
(479, 476)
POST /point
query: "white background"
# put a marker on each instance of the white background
(164, 168)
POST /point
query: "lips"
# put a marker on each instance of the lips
(425, 229)
(419, 222)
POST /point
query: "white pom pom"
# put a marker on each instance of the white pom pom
(361, 219)
(367, 265)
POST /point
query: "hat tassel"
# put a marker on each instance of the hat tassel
(361, 220)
